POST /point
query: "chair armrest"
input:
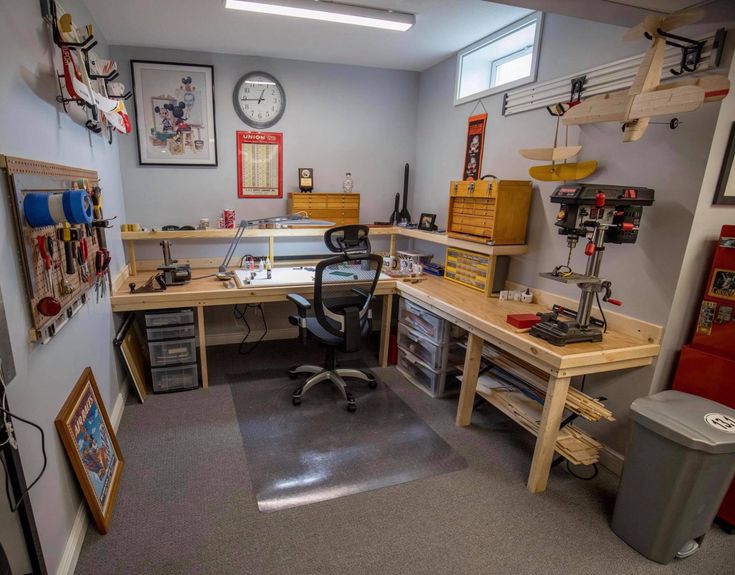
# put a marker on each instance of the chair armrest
(301, 302)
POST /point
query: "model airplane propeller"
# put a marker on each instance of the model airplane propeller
(647, 97)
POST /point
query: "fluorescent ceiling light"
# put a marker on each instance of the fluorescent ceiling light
(328, 11)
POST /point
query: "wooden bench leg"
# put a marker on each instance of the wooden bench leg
(469, 379)
(202, 347)
(385, 330)
(556, 397)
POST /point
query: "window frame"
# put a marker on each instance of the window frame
(538, 18)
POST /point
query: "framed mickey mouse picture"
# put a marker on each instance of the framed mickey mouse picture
(174, 112)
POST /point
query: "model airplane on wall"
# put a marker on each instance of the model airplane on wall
(647, 97)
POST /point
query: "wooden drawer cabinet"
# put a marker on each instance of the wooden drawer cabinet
(489, 211)
(342, 209)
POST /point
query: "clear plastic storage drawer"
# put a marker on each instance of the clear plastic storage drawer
(423, 321)
(175, 378)
(421, 346)
(172, 351)
(171, 332)
(169, 317)
(435, 383)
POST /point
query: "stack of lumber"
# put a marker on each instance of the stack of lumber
(535, 379)
(572, 443)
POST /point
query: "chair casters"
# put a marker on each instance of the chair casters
(372, 384)
(292, 373)
(296, 397)
(351, 405)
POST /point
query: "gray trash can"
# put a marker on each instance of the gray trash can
(679, 466)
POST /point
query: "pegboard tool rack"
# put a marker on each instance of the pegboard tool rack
(24, 176)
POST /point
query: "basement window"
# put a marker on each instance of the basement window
(506, 59)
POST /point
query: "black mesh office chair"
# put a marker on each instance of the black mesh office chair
(343, 291)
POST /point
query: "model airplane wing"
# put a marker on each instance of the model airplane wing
(665, 102)
(550, 154)
(563, 172)
(606, 108)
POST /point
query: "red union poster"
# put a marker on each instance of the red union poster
(475, 145)
(259, 165)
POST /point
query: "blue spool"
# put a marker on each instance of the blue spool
(77, 206)
(36, 210)
(72, 206)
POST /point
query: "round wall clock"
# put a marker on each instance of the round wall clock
(259, 99)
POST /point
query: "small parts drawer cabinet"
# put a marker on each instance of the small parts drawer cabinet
(489, 211)
(342, 209)
(427, 353)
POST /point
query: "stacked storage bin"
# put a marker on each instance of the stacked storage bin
(425, 350)
(172, 347)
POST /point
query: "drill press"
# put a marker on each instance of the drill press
(602, 214)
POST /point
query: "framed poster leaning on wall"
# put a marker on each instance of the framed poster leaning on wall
(725, 193)
(174, 113)
(92, 448)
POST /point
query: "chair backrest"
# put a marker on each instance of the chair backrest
(344, 286)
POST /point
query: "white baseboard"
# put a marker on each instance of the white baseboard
(611, 460)
(73, 547)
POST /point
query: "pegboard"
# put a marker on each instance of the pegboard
(26, 176)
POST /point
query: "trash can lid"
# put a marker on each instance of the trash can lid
(689, 420)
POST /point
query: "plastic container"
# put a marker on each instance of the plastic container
(172, 351)
(679, 465)
(177, 378)
(423, 321)
(171, 332)
(423, 348)
(435, 383)
(347, 184)
(169, 317)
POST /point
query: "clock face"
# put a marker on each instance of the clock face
(259, 99)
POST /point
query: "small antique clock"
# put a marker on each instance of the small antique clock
(259, 100)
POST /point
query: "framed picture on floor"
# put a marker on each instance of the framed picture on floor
(92, 448)
(174, 112)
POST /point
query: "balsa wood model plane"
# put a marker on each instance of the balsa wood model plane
(647, 97)
(558, 172)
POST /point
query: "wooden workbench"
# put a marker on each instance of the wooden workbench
(628, 343)
(209, 291)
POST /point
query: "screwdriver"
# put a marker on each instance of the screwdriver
(41, 241)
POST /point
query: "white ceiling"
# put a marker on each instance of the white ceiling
(442, 27)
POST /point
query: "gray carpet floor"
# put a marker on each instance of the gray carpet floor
(186, 504)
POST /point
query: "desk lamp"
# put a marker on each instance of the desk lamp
(298, 219)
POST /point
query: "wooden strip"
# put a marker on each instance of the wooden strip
(385, 324)
(36, 168)
(202, 347)
(132, 263)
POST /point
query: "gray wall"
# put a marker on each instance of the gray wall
(337, 119)
(644, 275)
(31, 126)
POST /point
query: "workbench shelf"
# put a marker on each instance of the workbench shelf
(310, 232)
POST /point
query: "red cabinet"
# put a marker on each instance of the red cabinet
(707, 366)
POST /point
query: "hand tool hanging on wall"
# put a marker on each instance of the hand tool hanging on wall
(82, 255)
(41, 241)
(69, 236)
(405, 215)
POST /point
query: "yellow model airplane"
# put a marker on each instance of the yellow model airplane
(647, 97)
